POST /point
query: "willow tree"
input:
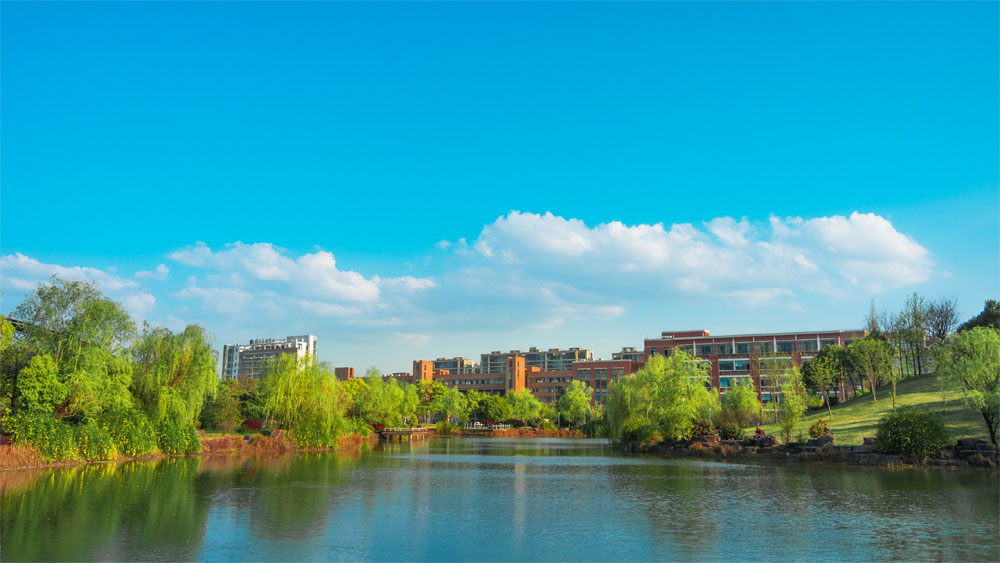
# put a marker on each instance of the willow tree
(741, 405)
(173, 374)
(969, 361)
(302, 395)
(524, 405)
(665, 396)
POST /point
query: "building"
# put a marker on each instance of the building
(455, 365)
(344, 374)
(553, 359)
(242, 361)
(601, 373)
(628, 353)
(732, 359)
(511, 379)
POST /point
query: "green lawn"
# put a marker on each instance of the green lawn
(857, 418)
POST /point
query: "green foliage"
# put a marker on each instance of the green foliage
(99, 383)
(641, 435)
(451, 403)
(969, 362)
(379, 402)
(305, 398)
(793, 402)
(597, 428)
(429, 394)
(989, 317)
(38, 386)
(222, 412)
(574, 404)
(730, 431)
(546, 425)
(6, 334)
(130, 430)
(174, 373)
(312, 430)
(819, 429)
(491, 407)
(872, 357)
(444, 428)
(523, 405)
(661, 399)
(741, 405)
(176, 437)
(94, 443)
(53, 438)
(911, 431)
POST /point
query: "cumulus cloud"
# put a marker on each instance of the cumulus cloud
(729, 258)
(160, 273)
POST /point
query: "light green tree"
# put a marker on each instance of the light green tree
(822, 373)
(173, 374)
(969, 362)
(524, 405)
(38, 386)
(302, 395)
(741, 405)
(793, 401)
(451, 403)
(665, 397)
(574, 404)
(872, 357)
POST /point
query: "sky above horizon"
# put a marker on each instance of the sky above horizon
(418, 180)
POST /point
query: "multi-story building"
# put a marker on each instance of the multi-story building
(455, 365)
(241, 361)
(511, 379)
(553, 359)
(601, 373)
(628, 353)
(344, 374)
(732, 359)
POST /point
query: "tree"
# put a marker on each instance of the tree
(823, 372)
(174, 373)
(523, 405)
(741, 405)
(664, 398)
(871, 355)
(491, 408)
(451, 403)
(989, 317)
(793, 402)
(970, 363)
(429, 392)
(574, 404)
(942, 317)
(302, 395)
(223, 412)
(39, 388)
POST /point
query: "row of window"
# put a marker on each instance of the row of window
(474, 381)
(757, 347)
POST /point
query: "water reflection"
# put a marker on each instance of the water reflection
(488, 499)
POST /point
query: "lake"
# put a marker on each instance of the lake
(484, 499)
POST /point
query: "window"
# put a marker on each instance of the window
(704, 349)
(741, 364)
(724, 382)
(763, 347)
(807, 345)
(584, 375)
(723, 348)
(652, 351)
(726, 365)
(786, 346)
(743, 348)
(827, 342)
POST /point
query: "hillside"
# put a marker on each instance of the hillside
(857, 418)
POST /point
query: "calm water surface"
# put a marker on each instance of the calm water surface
(491, 499)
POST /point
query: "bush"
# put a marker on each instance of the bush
(251, 425)
(595, 429)
(175, 437)
(819, 429)
(130, 430)
(94, 443)
(730, 431)
(445, 428)
(546, 425)
(313, 431)
(514, 422)
(52, 437)
(701, 429)
(911, 431)
(814, 402)
(643, 436)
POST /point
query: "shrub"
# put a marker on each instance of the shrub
(445, 428)
(730, 431)
(643, 436)
(175, 437)
(311, 430)
(814, 402)
(546, 425)
(130, 431)
(911, 431)
(94, 443)
(251, 425)
(52, 437)
(514, 422)
(819, 429)
(595, 429)
(701, 429)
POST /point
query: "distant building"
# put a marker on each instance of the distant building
(553, 359)
(455, 365)
(243, 361)
(628, 353)
(344, 374)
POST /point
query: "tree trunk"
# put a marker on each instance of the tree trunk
(893, 394)
(991, 423)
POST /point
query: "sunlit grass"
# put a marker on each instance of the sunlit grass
(857, 418)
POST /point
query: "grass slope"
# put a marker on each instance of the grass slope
(857, 418)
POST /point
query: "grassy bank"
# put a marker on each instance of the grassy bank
(853, 420)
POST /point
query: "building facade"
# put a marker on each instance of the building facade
(553, 359)
(344, 374)
(242, 361)
(455, 365)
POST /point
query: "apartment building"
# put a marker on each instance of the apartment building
(628, 353)
(601, 373)
(344, 374)
(736, 358)
(241, 361)
(455, 365)
(553, 359)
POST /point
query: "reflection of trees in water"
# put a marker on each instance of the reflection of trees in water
(69, 513)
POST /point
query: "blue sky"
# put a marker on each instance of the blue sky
(414, 180)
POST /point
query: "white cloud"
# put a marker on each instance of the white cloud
(160, 273)
(32, 271)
